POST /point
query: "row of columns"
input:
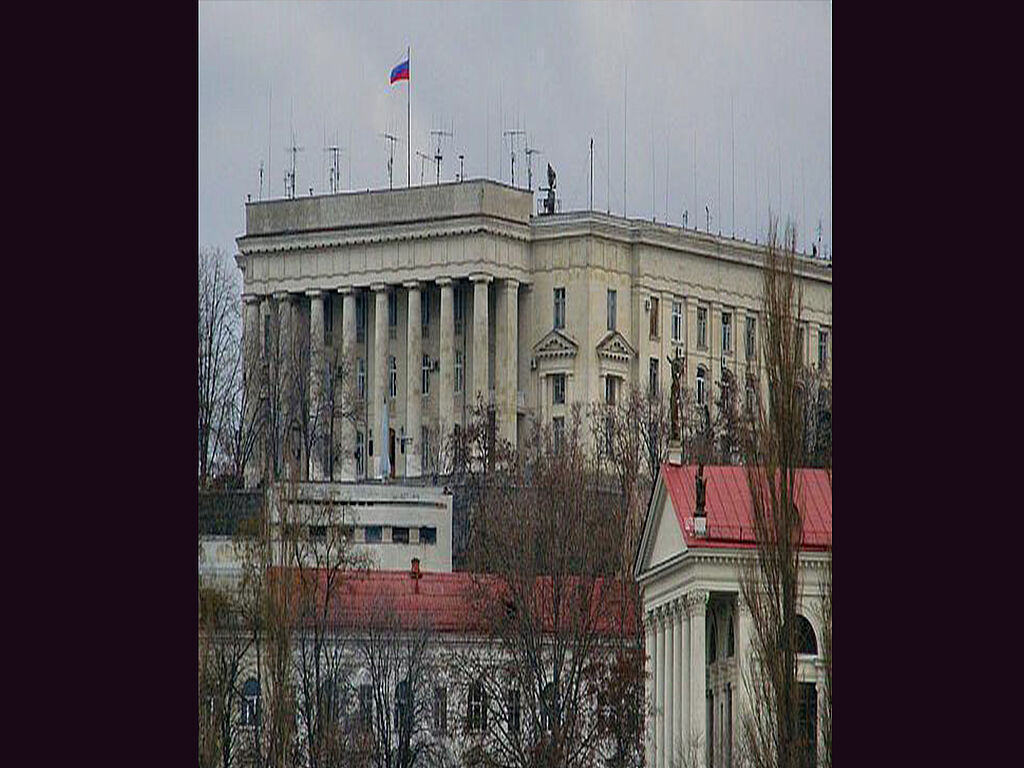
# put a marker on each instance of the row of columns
(506, 349)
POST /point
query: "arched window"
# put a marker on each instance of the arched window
(712, 639)
(806, 643)
(250, 702)
(701, 389)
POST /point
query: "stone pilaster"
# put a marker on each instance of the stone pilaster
(678, 693)
(697, 606)
(380, 376)
(318, 414)
(650, 635)
(288, 461)
(251, 340)
(446, 355)
(413, 382)
(481, 387)
(347, 448)
(659, 696)
(670, 676)
(506, 360)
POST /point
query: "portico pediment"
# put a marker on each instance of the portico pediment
(614, 347)
(556, 344)
(661, 538)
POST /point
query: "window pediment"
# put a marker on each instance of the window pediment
(615, 347)
(556, 344)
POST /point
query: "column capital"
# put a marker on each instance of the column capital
(511, 282)
(742, 609)
(480, 277)
(315, 293)
(252, 298)
(443, 281)
(697, 601)
(345, 290)
(411, 285)
(378, 287)
(282, 296)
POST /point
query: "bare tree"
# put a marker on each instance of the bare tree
(219, 341)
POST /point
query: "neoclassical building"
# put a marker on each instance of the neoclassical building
(696, 623)
(443, 294)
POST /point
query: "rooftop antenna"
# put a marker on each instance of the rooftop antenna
(686, 217)
(289, 176)
(261, 179)
(718, 205)
(391, 156)
(437, 155)
(708, 212)
(608, 161)
(591, 174)
(462, 170)
(732, 186)
(335, 168)
(512, 133)
(530, 152)
(423, 158)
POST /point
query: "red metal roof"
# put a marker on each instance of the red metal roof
(728, 506)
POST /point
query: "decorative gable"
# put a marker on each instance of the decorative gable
(614, 347)
(554, 345)
(662, 539)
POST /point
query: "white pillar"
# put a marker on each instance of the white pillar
(739, 699)
(506, 359)
(698, 717)
(380, 375)
(650, 627)
(659, 696)
(677, 682)
(684, 689)
(670, 674)
(480, 334)
(348, 352)
(446, 383)
(285, 389)
(318, 415)
(413, 382)
(251, 353)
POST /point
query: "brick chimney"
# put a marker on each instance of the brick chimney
(415, 574)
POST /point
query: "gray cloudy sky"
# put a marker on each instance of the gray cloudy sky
(759, 74)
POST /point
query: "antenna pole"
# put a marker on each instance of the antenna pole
(408, 121)
(591, 173)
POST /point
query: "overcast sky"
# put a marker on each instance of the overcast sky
(754, 76)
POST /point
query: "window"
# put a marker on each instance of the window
(392, 377)
(425, 314)
(610, 383)
(654, 317)
(611, 309)
(677, 321)
(558, 388)
(428, 534)
(702, 327)
(652, 383)
(557, 433)
(459, 309)
(440, 710)
(513, 710)
(712, 639)
(365, 706)
(400, 535)
(424, 445)
(805, 641)
(361, 378)
(360, 462)
(822, 348)
(392, 314)
(266, 335)
(425, 377)
(548, 704)
(730, 646)
(360, 318)
(318, 532)
(403, 706)
(701, 386)
(559, 307)
(373, 534)
(807, 716)
(751, 344)
(460, 370)
(476, 716)
(370, 442)
(751, 399)
(726, 333)
(328, 321)
(250, 702)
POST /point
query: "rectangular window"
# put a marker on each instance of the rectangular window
(610, 383)
(476, 720)
(328, 321)
(677, 321)
(611, 309)
(425, 383)
(374, 534)
(702, 327)
(369, 443)
(559, 307)
(425, 314)
(557, 433)
(459, 309)
(440, 710)
(361, 378)
(392, 309)
(392, 377)
(360, 318)
(751, 336)
(428, 534)
(558, 389)
(822, 348)
(654, 317)
(726, 333)
(652, 382)
(400, 535)
(266, 335)
(460, 370)
(513, 711)
(365, 706)
(360, 463)
(425, 446)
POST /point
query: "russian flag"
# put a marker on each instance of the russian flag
(401, 72)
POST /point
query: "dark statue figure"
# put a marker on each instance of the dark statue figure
(549, 201)
(551, 176)
(701, 488)
(677, 364)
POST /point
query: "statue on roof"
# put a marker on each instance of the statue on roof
(678, 365)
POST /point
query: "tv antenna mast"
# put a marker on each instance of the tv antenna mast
(261, 179)
(530, 152)
(462, 170)
(289, 176)
(437, 154)
(335, 169)
(391, 156)
(423, 158)
(512, 133)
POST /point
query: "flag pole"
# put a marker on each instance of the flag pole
(408, 120)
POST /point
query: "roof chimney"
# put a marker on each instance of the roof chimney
(415, 574)
(700, 519)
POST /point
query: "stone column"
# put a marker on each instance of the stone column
(446, 354)
(506, 360)
(739, 699)
(670, 675)
(250, 359)
(480, 332)
(684, 668)
(678, 693)
(348, 352)
(413, 382)
(698, 610)
(380, 375)
(318, 415)
(659, 695)
(650, 628)
(285, 389)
